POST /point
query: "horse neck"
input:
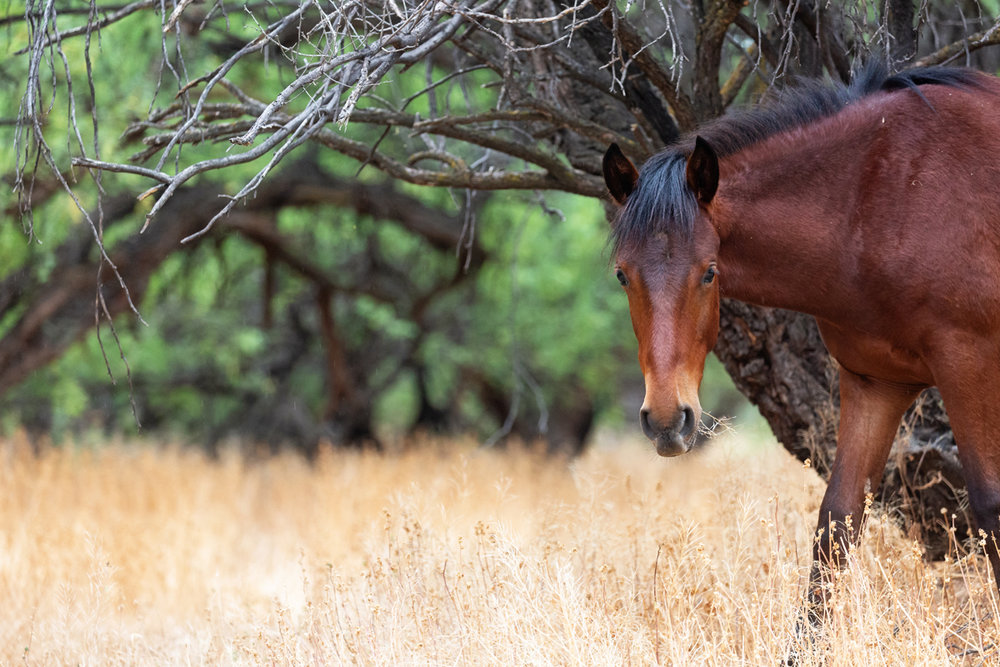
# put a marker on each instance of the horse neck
(782, 217)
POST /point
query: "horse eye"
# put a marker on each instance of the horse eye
(709, 276)
(620, 275)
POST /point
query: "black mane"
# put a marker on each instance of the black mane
(662, 201)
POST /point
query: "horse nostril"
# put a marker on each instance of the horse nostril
(687, 423)
(647, 429)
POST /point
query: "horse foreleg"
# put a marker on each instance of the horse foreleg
(870, 412)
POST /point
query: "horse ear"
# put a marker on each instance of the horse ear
(619, 174)
(703, 171)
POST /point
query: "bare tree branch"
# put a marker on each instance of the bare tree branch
(92, 26)
(709, 38)
(973, 42)
(763, 39)
(634, 48)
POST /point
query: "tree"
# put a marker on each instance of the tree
(484, 95)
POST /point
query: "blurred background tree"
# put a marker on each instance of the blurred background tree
(218, 205)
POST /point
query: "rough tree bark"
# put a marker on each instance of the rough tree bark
(900, 21)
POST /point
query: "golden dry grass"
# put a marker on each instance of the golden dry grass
(445, 554)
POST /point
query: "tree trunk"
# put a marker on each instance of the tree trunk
(899, 18)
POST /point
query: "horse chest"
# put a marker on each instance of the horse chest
(874, 356)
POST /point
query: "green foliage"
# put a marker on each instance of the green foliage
(542, 318)
(545, 301)
(551, 301)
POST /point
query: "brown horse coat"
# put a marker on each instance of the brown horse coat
(874, 208)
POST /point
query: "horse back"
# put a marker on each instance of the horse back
(930, 201)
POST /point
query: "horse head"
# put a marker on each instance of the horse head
(669, 272)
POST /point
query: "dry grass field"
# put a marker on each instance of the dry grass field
(443, 554)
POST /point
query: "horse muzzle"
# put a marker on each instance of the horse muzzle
(675, 439)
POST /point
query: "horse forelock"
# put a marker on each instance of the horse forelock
(661, 203)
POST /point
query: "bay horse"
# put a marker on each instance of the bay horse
(875, 208)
